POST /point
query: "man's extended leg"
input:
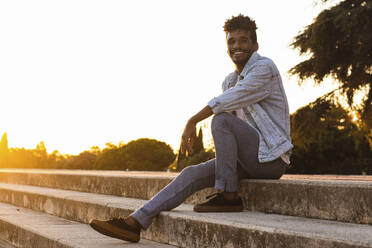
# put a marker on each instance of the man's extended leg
(190, 180)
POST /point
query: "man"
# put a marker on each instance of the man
(250, 130)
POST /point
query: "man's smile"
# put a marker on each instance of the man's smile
(238, 53)
(240, 56)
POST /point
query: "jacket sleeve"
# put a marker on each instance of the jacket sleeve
(254, 87)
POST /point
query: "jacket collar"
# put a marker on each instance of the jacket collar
(233, 78)
(254, 57)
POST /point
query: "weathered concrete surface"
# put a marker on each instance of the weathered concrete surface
(27, 228)
(5, 244)
(141, 185)
(128, 184)
(332, 200)
(183, 227)
(341, 198)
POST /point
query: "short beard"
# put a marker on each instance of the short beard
(243, 63)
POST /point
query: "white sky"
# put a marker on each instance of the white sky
(77, 73)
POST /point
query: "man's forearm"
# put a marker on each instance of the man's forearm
(190, 129)
(201, 115)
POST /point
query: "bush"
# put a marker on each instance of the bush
(198, 158)
(142, 154)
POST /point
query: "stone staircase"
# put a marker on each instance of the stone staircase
(51, 208)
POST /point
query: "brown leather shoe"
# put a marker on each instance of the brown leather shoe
(116, 228)
(217, 203)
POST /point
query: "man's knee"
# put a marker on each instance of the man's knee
(219, 119)
(200, 170)
(189, 172)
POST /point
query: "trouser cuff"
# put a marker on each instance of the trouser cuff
(226, 186)
(142, 218)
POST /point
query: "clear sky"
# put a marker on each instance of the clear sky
(79, 73)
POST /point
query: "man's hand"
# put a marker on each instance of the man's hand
(188, 137)
(190, 129)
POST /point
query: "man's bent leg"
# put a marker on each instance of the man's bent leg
(239, 142)
(191, 179)
(228, 133)
(227, 180)
(235, 142)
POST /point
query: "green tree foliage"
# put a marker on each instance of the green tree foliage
(199, 153)
(84, 161)
(339, 43)
(327, 141)
(109, 159)
(195, 159)
(198, 145)
(142, 154)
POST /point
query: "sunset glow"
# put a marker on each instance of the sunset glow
(80, 73)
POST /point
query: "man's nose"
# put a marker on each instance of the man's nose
(237, 45)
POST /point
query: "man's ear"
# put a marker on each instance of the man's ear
(255, 47)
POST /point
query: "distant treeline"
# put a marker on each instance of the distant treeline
(139, 155)
(327, 141)
(142, 154)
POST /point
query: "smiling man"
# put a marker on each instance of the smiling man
(250, 131)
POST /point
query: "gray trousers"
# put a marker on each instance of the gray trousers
(236, 145)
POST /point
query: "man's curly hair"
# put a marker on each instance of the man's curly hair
(241, 22)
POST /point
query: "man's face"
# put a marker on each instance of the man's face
(240, 46)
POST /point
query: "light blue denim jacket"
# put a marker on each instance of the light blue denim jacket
(259, 92)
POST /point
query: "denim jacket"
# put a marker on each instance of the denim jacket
(258, 91)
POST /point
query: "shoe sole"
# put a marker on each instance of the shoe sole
(205, 209)
(114, 232)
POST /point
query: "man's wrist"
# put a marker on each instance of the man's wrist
(201, 115)
(192, 121)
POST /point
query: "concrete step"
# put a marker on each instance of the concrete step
(23, 227)
(6, 244)
(340, 198)
(185, 228)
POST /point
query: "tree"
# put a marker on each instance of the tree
(142, 154)
(199, 153)
(339, 43)
(41, 155)
(4, 150)
(327, 141)
(84, 161)
(147, 154)
(110, 159)
(198, 145)
(4, 143)
(95, 150)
